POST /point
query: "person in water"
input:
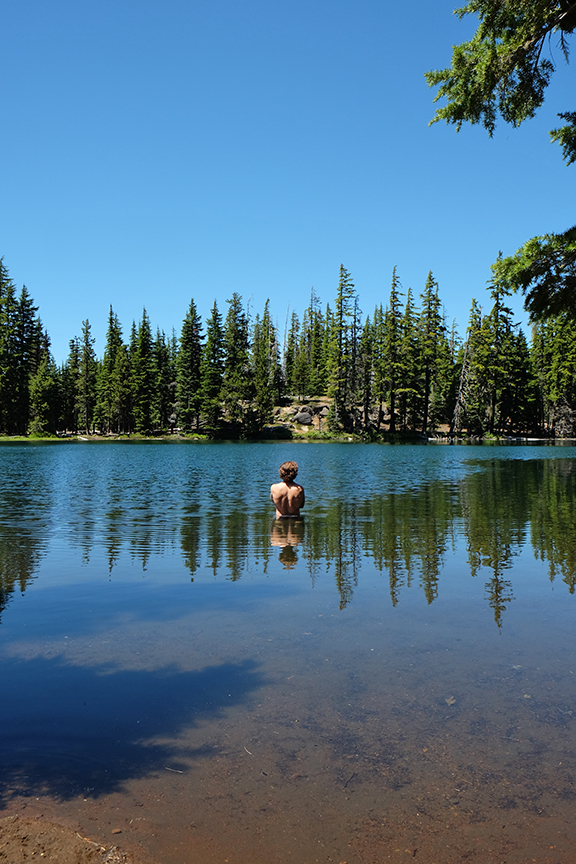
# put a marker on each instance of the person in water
(287, 496)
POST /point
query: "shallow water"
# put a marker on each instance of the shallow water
(392, 677)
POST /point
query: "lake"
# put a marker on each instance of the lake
(391, 677)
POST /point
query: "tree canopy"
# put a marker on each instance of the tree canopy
(503, 71)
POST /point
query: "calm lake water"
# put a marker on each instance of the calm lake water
(393, 677)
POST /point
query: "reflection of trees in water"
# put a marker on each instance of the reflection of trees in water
(236, 543)
(21, 552)
(495, 506)
(405, 534)
(25, 517)
(408, 532)
(553, 520)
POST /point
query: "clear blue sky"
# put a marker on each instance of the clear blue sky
(155, 151)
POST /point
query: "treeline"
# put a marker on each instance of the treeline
(400, 368)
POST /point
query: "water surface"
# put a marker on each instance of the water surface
(392, 676)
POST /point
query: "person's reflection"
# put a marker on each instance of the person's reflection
(288, 534)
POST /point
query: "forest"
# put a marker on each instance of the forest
(402, 369)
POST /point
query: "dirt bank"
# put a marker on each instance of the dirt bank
(27, 840)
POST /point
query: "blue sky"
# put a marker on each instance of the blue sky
(155, 151)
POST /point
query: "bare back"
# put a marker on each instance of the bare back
(288, 498)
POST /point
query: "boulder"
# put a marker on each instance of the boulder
(304, 418)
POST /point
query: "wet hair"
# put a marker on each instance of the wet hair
(288, 470)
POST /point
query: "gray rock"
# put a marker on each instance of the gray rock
(304, 418)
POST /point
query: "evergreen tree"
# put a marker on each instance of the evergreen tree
(163, 400)
(44, 398)
(212, 370)
(409, 393)
(504, 70)
(69, 387)
(106, 415)
(142, 375)
(122, 388)
(432, 337)
(188, 369)
(378, 363)
(364, 387)
(265, 365)
(23, 356)
(553, 356)
(8, 371)
(392, 348)
(290, 354)
(86, 380)
(342, 350)
(315, 353)
(237, 383)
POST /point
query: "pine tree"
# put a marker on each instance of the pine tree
(237, 384)
(409, 393)
(365, 376)
(142, 375)
(188, 369)
(553, 355)
(378, 363)
(265, 365)
(44, 398)
(86, 380)
(24, 356)
(342, 351)
(212, 370)
(163, 392)
(315, 353)
(69, 386)
(290, 353)
(106, 415)
(432, 335)
(392, 345)
(8, 367)
(122, 389)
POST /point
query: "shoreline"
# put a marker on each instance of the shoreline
(297, 438)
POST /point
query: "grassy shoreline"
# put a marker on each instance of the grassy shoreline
(294, 436)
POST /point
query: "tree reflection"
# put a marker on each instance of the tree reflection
(25, 518)
(497, 507)
(553, 522)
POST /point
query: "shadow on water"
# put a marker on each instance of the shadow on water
(77, 730)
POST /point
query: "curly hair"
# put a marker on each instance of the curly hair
(288, 470)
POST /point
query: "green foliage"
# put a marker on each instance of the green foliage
(401, 360)
(266, 370)
(502, 70)
(341, 352)
(188, 361)
(44, 398)
(544, 270)
(237, 379)
(164, 395)
(391, 359)
(142, 375)
(212, 369)
(497, 388)
(86, 380)
(106, 411)
(566, 136)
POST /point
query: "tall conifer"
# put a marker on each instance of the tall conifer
(188, 369)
